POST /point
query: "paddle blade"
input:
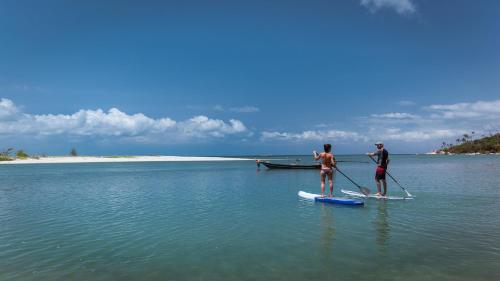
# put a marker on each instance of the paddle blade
(365, 190)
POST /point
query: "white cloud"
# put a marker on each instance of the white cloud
(442, 123)
(397, 134)
(474, 110)
(396, 115)
(400, 6)
(97, 122)
(200, 126)
(8, 109)
(321, 125)
(244, 109)
(218, 107)
(114, 123)
(312, 136)
(406, 103)
(437, 122)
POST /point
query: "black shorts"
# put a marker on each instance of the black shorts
(380, 174)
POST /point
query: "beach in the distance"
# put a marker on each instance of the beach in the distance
(116, 159)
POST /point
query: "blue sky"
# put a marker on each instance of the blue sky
(246, 77)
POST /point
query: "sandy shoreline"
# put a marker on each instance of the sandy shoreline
(112, 159)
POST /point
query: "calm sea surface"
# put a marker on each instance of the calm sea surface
(229, 221)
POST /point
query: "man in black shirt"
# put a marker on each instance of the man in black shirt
(382, 162)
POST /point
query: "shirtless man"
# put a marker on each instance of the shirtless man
(327, 166)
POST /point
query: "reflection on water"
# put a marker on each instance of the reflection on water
(381, 223)
(328, 227)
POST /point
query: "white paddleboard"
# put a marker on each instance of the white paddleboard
(361, 195)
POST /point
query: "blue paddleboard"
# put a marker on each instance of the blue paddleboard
(331, 200)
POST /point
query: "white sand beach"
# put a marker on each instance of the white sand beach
(106, 159)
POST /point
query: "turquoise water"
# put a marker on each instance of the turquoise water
(229, 221)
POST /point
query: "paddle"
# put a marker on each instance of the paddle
(363, 190)
(404, 189)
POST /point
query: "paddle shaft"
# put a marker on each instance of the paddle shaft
(364, 190)
(404, 189)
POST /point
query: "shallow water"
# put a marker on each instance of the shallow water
(230, 221)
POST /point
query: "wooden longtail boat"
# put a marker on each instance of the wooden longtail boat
(288, 166)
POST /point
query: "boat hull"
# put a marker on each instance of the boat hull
(290, 166)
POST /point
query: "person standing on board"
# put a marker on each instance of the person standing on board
(382, 162)
(327, 166)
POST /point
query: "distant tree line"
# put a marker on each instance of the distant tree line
(9, 155)
(5, 154)
(467, 144)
